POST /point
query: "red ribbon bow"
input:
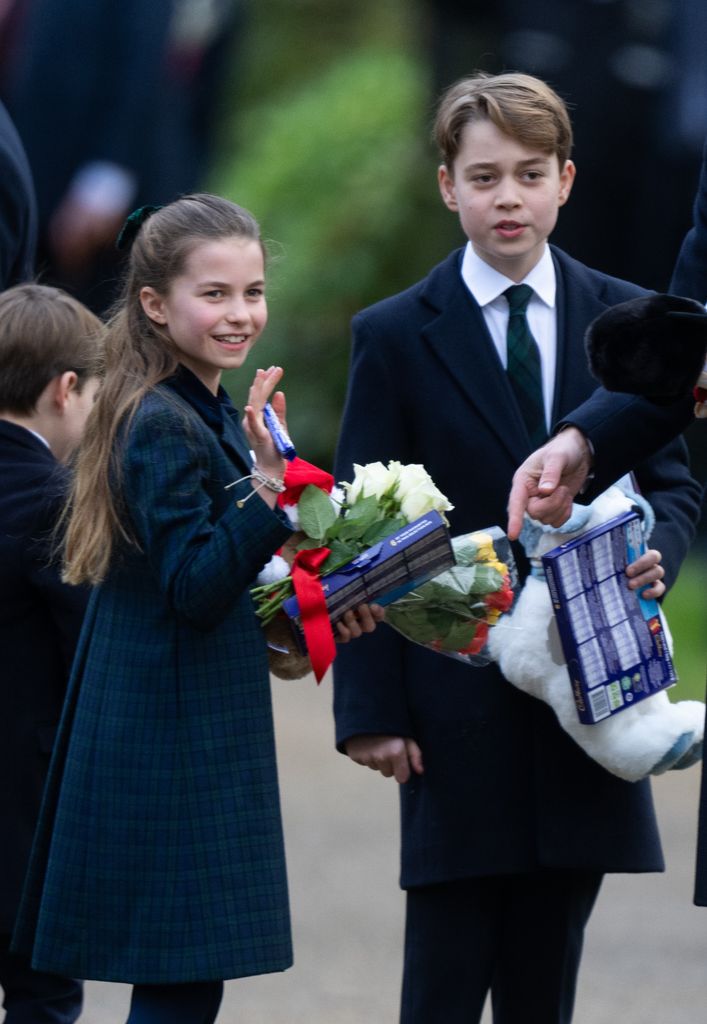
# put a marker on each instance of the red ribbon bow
(300, 474)
(313, 609)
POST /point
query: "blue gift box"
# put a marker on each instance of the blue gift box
(613, 639)
(386, 571)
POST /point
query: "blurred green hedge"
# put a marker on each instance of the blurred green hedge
(686, 611)
(335, 163)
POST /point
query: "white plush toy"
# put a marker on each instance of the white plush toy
(649, 737)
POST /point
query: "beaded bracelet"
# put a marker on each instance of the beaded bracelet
(271, 482)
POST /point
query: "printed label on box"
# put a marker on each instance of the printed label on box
(385, 572)
(613, 639)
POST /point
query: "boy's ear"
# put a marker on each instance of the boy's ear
(567, 175)
(62, 387)
(153, 305)
(446, 188)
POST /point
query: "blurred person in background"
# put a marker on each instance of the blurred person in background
(634, 76)
(115, 105)
(18, 208)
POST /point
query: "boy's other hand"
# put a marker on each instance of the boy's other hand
(357, 621)
(647, 572)
(396, 756)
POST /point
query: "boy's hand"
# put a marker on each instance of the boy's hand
(647, 571)
(357, 621)
(396, 756)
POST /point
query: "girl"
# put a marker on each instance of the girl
(159, 857)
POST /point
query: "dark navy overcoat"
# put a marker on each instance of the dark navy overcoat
(159, 856)
(40, 619)
(504, 790)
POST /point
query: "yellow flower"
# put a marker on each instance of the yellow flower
(486, 551)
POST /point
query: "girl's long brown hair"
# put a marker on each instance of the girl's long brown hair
(138, 355)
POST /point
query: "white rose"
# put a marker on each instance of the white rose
(337, 497)
(276, 569)
(371, 480)
(418, 494)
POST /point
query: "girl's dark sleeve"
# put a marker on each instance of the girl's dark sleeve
(204, 550)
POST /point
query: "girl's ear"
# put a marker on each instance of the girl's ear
(153, 305)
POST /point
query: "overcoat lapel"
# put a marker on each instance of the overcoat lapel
(578, 303)
(459, 339)
(234, 442)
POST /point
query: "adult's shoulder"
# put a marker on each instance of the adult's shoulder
(18, 210)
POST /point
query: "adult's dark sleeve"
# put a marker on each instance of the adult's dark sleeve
(690, 274)
(625, 429)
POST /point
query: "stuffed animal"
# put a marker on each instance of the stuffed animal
(654, 345)
(647, 738)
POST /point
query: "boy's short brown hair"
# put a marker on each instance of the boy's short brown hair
(43, 333)
(521, 106)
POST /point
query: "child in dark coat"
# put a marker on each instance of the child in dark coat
(50, 356)
(159, 859)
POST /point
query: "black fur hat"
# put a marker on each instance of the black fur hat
(653, 346)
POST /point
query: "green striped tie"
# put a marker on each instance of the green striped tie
(523, 366)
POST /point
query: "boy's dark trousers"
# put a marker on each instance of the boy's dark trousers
(464, 939)
(35, 997)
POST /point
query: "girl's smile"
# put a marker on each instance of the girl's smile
(215, 310)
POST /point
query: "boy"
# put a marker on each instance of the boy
(49, 364)
(507, 827)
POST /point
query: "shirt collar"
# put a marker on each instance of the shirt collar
(210, 407)
(486, 284)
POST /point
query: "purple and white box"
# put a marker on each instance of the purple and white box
(614, 641)
(385, 571)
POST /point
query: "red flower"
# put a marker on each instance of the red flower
(502, 599)
(479, 641)
(300, 474)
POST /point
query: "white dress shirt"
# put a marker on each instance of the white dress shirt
(488, 285)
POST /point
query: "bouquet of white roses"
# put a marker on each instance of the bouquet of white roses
(333, 526)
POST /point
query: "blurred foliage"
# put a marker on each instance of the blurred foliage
(325, 141)
(686, 611)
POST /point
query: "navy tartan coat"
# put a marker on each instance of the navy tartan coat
(504, 790)
(159, 856)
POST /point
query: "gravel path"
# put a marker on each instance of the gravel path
(646, 951)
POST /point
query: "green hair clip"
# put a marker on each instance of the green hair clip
(132, 225)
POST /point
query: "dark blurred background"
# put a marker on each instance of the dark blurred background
(316, 115)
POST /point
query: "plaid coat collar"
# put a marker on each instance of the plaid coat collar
(217, 411)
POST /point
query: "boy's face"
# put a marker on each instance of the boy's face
(507, 197)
